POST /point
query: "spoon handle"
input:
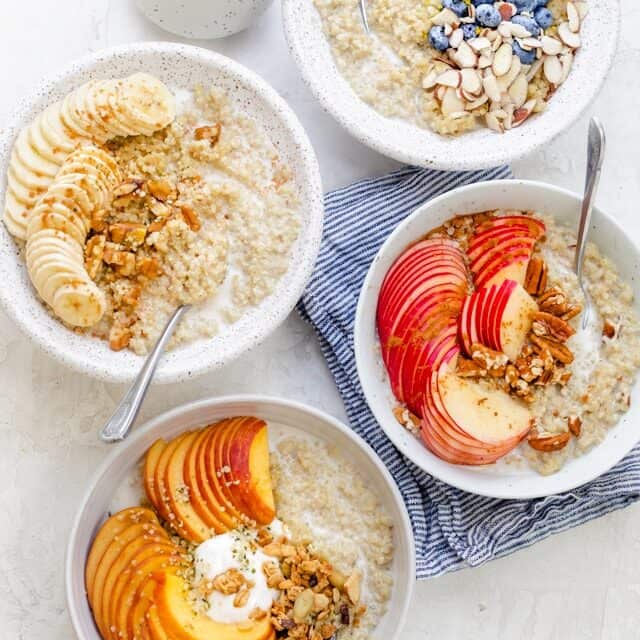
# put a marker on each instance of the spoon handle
(595, 157)
(123, 417)
(363, 14)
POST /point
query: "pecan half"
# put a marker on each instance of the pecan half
(549, 326)
(553, 301)
(535, 282)
(548, 443)
(488, 358)
(559, 351)
(575, 425)
(572, 311)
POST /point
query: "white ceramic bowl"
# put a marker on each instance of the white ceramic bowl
(481, 148)
(500, 480)
(180, 67)
(99, 497)
(203, 18)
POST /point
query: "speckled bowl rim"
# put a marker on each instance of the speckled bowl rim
(492, 481)
(475, 150)
(301, 266)
(201, 412)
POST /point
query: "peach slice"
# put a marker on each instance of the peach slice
(156, 631)
(210, 516)
(164, 506)
(149, 470)
(111, 529)
(181, 622)
(249, 461)
(208, 481)
(179, 494)
(145, 533)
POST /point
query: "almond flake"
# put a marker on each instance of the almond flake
(567, 36)
(485, 61)
(583, 9)
(471, 105)
(429, 81)
(521, 114)
(465, 56)
(450, 78)
(456, 38)
(471, 82)
(535, 67)
(518, 90)
(451, 103)
(478, 44)
(553, 70)
(493, 123)
(491, 88)
(502, 60)
(573, 17)
(504, 82)
(566, 60)
(551, 46)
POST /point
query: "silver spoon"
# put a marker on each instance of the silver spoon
(595, 158)
(119, 424)
(363, 13)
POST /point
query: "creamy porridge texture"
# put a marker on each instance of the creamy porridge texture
(480, 332)
(219, 211)
(345, 521)
(453, 65)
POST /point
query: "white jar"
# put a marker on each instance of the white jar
(203, 18)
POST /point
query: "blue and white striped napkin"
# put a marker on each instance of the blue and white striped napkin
(453, 529)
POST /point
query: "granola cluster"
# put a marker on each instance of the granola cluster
(315, 600)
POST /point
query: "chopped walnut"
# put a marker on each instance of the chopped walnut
(162, 190)
(149, 267)
(93, 253)
(229, 582)
(130, 234)
(123, 261)
(98, 222)
(190, 217)
(126, 188)
(209, 132)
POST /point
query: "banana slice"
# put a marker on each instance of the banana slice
(147, 103)
(32, 182)
(85, 112)
(15, 216)
(47, 266)
(91, 183)
(54, 131)
(42, 146)
(59, 216)
(73, 115)
(61, 278)
(30, 159)
(53, 241)
(73, 195)
(79, 305)
(103, 100)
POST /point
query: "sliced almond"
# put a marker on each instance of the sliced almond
(518, 31)
(484, 62)
(573, 17)
(448, 30)
(490, 85)
(547, 443)
(553, 70)
(446, 16)
(504, 29)
(551, 46)
(440, 91)
(451, 103)
(504, 82)
(497, 43)
(471, 81)
(479, 44)
(456, 38)
(465, 56)
(502, 60)
(450, 78)
(534, 68)
(493, 123)
(530, 43)
(429, 81)
(567, 36)
(456, 115)
(566, 60)
(474, 104)
(521, 114)
(518, 90)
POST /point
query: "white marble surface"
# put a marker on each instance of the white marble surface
(584, 584)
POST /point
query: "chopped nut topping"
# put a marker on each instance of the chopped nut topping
(190, 217)
(93, 252)
(149, 267)
(131, 234)
(609, 330)
(536, 279)
(119, 337)
(98, 222)
(553, 301)
(242, 597)
(123, 261)
(489, 359)
(575, 425)
(126, 188)
(548, 442)
(162, 190)
(209, 132)
(229, 582)
(466, 368)
(559, 351)
(549, 326)
(352, 587)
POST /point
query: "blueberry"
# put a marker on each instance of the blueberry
(526, 57)
(541, 3)
(528, 23)
(477, 3)
(469, 31)
(525, 5)
(543, 17)
(457, 6)
(488, 16)
(437, 39)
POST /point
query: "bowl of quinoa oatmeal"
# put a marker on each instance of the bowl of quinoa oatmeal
(511, 341)
(337, 525)
(219, 206)
(445, 85)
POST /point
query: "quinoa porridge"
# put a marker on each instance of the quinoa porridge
(455, 65)
(500, 366)
(294, 544)
(132, 200)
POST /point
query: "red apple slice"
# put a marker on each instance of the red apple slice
(495, 308)
(515, 319)
(511, 267)
(508, 246)
(536, 227)
(489, 238)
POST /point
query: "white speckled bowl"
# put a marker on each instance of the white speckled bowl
(300, 420)
(182, 67)
(481, 148)
(501, 480)
(203, 18)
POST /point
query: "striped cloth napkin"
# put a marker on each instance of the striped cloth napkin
(453, 529)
